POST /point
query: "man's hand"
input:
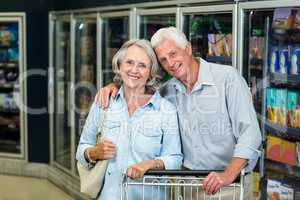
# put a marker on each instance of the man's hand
(138, 170)
(214, 181)
(102, 96)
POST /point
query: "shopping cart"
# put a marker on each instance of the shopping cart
(177, 185)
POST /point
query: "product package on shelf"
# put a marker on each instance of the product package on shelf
(219, 45)
(281, 150)
(278, 191)
(297, 20)
(86, 73)
(255, 180)
(271, 100)
(286, 18)
(280, 107)
(295, 60)
(274, 148)
(293, 102)
(298, 153)
(274, 65)
(284, 63)
(256, 46)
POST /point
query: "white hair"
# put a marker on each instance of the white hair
(169, 33)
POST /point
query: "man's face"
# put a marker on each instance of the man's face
(175, 60)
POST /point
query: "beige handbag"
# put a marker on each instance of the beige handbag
(92, 179)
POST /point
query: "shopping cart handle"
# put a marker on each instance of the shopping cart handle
(154, 172)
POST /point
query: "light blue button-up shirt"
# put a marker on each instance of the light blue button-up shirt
(217, 119)
(150, 133)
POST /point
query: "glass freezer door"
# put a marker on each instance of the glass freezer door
(210, 35)
(62, 77)
(10, 135)
(271, 65)
(115, 31)
(149, 24)
(85, 70)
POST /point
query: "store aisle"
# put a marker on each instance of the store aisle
(27, 188)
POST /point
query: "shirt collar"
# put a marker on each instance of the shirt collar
(204, 77)
(153, 102)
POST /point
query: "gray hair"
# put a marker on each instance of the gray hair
(155, 78)
(169, 33)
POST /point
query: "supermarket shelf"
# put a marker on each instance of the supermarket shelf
(283, 131)
(285, 78)
(283, 31)
(7, 65)
(219, 59)
(283, 168)
(8, 86)
(9, 111)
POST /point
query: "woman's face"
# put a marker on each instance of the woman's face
(135, 68)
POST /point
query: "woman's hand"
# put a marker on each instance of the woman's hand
(102, 96)
(138, 170)
(104, 150)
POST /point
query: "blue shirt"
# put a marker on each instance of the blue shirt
(217, 119)
(150, 133)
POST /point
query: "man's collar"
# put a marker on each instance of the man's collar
(204, 77)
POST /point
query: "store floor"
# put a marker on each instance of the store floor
(27, 188)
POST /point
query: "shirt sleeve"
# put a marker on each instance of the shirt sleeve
(243, 120)
(171, 153)
(89, 133)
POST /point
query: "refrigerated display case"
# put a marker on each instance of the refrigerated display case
(85, 69)
(80, 62)
(212, 32)
(269, 45)
(62, 83)
(12, 84)
(115, 31)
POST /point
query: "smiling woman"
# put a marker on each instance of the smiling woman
(140, 129)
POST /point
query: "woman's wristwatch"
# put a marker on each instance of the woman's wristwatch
(88, 158)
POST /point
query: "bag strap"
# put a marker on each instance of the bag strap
(100, 129)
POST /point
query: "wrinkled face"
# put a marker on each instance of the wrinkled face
(135, 68)
(175, 60)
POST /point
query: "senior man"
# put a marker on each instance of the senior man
(218, 124)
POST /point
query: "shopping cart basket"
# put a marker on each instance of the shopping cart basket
(177, 185)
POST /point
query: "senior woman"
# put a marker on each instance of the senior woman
(140, 128)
